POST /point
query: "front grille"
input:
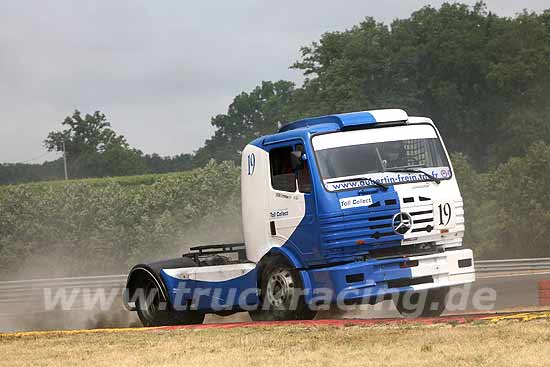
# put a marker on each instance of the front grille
(421, 211)
(372, 234)
(356, 233)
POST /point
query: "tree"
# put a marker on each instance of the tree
(249, 116)
(521, 187)
(15, 173)
(470, 70)
(157, 164)
(93, 148)
(480, 205)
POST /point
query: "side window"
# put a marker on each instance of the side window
(282, 176)
(303, 175)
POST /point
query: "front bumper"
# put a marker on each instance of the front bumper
(375, 279)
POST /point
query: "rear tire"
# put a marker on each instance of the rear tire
(153, 311)
(429, 303)
(281, 295)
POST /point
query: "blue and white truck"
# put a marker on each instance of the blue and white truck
(347, 208)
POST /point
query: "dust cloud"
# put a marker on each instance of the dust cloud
(27, 313)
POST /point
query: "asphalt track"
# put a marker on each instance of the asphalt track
(514, 292)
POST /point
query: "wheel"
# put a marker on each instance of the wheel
(430, 303)
(153, 311)
(281, 295)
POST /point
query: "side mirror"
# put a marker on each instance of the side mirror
(296, 160)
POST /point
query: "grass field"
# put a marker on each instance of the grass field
(507, 343)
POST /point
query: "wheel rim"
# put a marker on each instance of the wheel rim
(280, 288)
(150, 306)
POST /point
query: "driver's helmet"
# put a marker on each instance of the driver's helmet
(394, 150)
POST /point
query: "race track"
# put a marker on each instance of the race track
(513, 292)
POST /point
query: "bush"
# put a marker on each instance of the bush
(101, 226)
(522, 188)
(479, 208)
(507, 210)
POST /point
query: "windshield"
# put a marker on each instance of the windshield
(391, 155)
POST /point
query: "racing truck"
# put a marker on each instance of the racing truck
(341, 209)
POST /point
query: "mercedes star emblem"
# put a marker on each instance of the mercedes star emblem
(402, 222)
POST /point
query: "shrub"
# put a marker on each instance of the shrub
(100, 226)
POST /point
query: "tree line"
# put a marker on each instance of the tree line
(484, 80)
(93, 149)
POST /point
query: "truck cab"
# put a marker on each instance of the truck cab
(355, 207)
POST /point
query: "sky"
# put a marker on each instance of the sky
(159, 70)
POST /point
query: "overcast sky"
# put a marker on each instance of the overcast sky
(159, 70)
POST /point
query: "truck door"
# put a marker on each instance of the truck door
(291, 201)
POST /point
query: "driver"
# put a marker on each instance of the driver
(395, 154)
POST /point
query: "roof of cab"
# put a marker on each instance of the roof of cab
(331, 123)
(350, 119)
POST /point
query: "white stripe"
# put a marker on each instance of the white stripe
(217, 273)
(357, 137)
(389, 115)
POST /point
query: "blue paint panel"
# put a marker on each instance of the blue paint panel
(302, 249)
(289, 255)
(370, 225)
(334, 235)
(340, 120)
(376, 275)
(356, 118)
(259, 142)
(217, 296)
(328, 234)
(265, 142)
(304, 241)
(285, 137)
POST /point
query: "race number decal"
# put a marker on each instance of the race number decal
(251, 164)
(444, 214)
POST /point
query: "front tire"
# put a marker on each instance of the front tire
(281, 295)
(429, 303)
(153, 311)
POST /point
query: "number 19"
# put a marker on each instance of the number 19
(444, 214)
